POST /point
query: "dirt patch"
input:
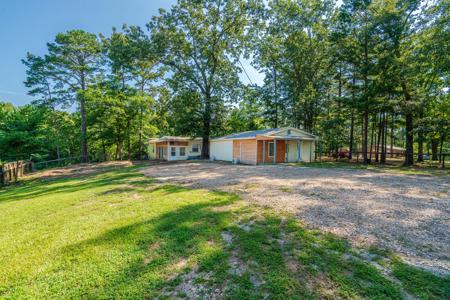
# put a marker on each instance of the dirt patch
(78, 170)
(151, 252)
(405, 213)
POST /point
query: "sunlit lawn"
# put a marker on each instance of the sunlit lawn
(117, 234)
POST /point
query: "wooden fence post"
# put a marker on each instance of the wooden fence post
(2, 174)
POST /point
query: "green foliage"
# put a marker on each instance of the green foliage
(29, 131)
(201, 42)
(358, 75)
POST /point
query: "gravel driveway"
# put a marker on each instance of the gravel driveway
(405, 213)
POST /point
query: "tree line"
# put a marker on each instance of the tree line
(363, 74)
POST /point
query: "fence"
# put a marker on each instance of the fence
(56, 162)
(11, 172)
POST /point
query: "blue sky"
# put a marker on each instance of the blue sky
(27, 25)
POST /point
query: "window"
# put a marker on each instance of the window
(271, 148)
(173, 151)
(195, 148)
(182, 151)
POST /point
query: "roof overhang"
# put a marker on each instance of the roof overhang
(174, 139)
(285, 137)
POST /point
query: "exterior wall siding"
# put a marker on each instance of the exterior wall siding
(280, 153)
(221, 150)
(306, 147)
(292, 151)
(188, 147)
(245, 151)
(165, 147)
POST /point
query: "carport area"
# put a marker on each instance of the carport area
(408, 214)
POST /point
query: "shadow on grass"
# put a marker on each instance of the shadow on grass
(303, 263)
(286, 259)
(36, 188)
(158, 245)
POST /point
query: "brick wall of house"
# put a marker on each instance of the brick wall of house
(281, 152)
(245, 151)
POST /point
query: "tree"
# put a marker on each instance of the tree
(70, 67)
(28, 132)
(145, 70)
(248, 115)
(293, 52)
(201, 42)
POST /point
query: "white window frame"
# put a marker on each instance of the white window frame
(184, 150)
(197, 146)
(173, 151)
(268, 149)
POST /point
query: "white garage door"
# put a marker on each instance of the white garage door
(221, 150)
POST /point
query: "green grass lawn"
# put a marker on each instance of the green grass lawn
(118, 234)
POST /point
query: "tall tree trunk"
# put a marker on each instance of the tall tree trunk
(276, 97)
(392, 136)
(84, 151)
(409, 155)
(366, 90)
(82, 100)
(365, 136)
(140, 135)
(352, 129)
(119, 143)
(129, 138)
(141, 116)
(377, 142)
(374, 122)
(104, 149)
(434, 149)
(383, 141)
(441, 156)
(420, 140)
(409, 126)
(206, 127)
(352, 123)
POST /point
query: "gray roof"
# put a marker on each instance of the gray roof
(268, 132)
(173, 138)
(247, 134)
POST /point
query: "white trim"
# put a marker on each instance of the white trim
(292, 129)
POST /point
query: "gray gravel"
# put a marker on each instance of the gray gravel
(408, 214)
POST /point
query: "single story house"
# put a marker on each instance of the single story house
(276, 145)
(175, 148)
